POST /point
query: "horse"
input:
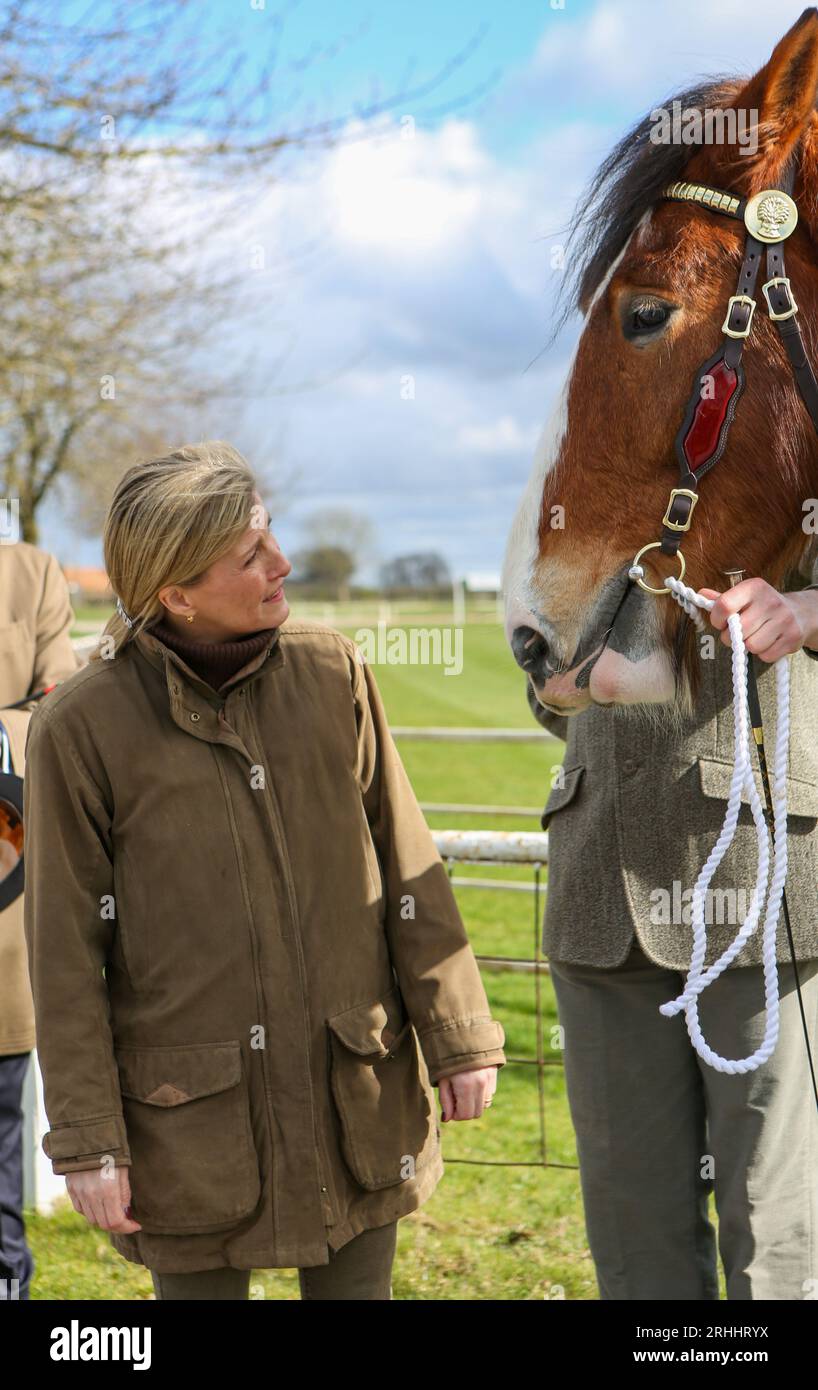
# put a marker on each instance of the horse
(652, 275)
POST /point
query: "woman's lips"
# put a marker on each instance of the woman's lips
(274, 598)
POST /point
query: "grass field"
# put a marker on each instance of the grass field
(489, 1232)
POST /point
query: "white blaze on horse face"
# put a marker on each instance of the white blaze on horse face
(523, 545)
(547, 597)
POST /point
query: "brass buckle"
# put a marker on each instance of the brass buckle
(785, 281)
(680, 525)
(738, 299)
(652, 545)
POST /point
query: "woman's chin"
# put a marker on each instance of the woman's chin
(274, 611)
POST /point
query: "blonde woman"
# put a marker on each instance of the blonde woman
(248, 968)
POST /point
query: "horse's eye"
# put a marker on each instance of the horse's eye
(645, 316)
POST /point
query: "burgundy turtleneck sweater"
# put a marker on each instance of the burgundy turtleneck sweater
(215, 662)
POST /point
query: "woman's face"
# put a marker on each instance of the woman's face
(240, 593)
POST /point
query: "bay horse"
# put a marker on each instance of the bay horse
(652, 277)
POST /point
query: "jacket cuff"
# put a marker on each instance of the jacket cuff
(461, 1045)
(73, 1148)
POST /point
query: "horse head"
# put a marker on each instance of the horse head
(652, 279)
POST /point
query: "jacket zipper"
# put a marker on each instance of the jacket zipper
(274, 815)
(261, 1003)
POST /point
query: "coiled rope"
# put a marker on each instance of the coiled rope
(698, 979)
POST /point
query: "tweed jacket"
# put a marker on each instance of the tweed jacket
(639, 807)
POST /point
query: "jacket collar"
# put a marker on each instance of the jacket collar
(194, 705)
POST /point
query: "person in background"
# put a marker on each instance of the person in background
(35, 652)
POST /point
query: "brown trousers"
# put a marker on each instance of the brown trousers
(361, 1269)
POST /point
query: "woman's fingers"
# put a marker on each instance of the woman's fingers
(102, 1200)
(464, 1095)
(471, 1091)
(446, 1094)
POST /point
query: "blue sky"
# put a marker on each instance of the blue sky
(435, 267)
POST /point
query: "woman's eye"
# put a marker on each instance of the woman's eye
(645, 317)
(252, 557)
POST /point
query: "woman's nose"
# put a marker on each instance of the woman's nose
(276, 560)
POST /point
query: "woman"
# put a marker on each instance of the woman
(248, 967)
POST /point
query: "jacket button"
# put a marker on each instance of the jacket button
(323, 1189)
(629, 765)
(194, 717)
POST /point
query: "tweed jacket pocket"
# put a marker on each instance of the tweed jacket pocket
(561, 796)
(715, 777)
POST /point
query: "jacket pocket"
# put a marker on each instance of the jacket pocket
(715, 777)
(187, 1116)
(382, 1093)
(561, 796)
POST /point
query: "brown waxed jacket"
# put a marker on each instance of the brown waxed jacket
(248, 966)
(35, 651)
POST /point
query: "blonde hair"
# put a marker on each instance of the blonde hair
(169, 519)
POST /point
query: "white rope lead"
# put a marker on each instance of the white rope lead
(698, 979)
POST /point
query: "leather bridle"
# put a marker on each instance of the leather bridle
(769, 216)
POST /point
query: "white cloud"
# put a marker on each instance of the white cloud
(429, 257)
(503, 436)
(637, 50)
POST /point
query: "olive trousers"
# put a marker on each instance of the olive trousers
(361, 1269)
(658, 1130)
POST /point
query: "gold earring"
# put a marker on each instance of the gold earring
(190, 617)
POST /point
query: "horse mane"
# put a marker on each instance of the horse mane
(627, 183)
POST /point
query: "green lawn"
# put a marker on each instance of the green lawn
(489, 1232)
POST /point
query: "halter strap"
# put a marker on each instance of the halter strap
(703, 434)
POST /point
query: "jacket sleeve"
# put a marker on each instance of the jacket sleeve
(811, 651)
(54, 656)
(436, 970)
(807, 571)
(68, 875)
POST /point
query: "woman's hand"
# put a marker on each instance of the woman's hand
(101, 1196)
(465, 1095)
(774, 624)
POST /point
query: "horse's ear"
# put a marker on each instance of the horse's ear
(781, 97)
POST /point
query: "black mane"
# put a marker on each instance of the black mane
(627, 183)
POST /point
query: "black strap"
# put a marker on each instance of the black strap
(741, 315)
(780, 301)
(738, 321)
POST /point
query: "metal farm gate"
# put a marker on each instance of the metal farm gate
(498, 847)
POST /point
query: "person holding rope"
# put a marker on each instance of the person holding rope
(657, 1129)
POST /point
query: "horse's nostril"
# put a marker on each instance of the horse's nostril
(529, 647)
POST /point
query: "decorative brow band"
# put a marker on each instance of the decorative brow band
(714, 198)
